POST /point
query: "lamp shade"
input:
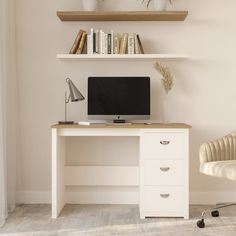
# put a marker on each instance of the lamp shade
(75, 94)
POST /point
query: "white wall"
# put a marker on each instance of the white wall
(203, 95)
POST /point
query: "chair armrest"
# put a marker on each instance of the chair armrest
(221, 149)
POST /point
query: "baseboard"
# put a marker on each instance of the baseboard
(2, 222)
(117, 197)
(211, 198)
(81, 197)
(33, 197)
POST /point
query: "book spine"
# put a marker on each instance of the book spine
(136, 47)
(81, 44)
(100, 42)
(92, 40)
(103, 43)
(97, 42)
(124, 42)
(140, 45)
(84, 51)
(112, 42)
(76, 43)
(106, 43)
(117, 44)
(109, 44)
(130, 44)
(89, 48)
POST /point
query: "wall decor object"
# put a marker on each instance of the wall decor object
(90, 5)
(167, 77)
(159, 5)
(167, 84)
(74, 96)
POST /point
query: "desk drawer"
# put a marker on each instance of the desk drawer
(162, 146)
(163, 199)
(163, 172)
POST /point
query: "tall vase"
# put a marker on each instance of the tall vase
(90, 5)
(160, 5)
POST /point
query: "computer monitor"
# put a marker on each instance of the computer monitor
(119, 98)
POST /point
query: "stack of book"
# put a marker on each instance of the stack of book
(99, 42)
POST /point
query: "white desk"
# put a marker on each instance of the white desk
(162, 176)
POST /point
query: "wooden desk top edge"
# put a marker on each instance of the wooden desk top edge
(133, 126)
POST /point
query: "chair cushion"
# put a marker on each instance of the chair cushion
(222, 169)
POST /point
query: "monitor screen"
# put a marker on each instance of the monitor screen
(126, 97)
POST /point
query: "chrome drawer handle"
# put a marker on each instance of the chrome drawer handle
(165, 169)
(165, 142)
(165, 195)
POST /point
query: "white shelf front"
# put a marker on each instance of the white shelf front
(122, 57)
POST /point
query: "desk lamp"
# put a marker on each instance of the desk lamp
(74, 96)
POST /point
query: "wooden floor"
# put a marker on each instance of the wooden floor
(102, 220)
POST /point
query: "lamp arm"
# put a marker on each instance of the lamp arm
(67, 100)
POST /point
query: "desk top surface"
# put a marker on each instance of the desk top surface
(132, 126)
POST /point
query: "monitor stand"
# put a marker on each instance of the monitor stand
(119, 122)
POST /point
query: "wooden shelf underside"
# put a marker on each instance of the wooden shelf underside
(122, 15)
(122, 57)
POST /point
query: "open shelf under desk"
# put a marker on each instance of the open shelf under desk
(101, 175)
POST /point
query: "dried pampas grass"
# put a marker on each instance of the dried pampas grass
(167, 80)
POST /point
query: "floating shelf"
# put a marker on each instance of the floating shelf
(122, 57)
(122, 15)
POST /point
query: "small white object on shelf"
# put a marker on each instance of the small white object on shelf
(122, 57)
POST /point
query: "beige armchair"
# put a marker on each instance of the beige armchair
(218, 158)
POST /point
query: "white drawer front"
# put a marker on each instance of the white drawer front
(163, 199)
(162, 146)
(163, 172)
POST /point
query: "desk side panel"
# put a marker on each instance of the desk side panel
(58, 163)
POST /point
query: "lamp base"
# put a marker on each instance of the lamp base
(66, 122)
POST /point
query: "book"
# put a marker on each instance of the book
(84, 51)
(97, 41)
(105, 43)
(140, 45)
(108, 43)
(112, 41)
(117, 44)
(81, 44)
(131, 44)
(101, 50)
(124, 43)
(92, 39)
(76, 42)
(136, 46)
(89, 44)
(94, 42)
